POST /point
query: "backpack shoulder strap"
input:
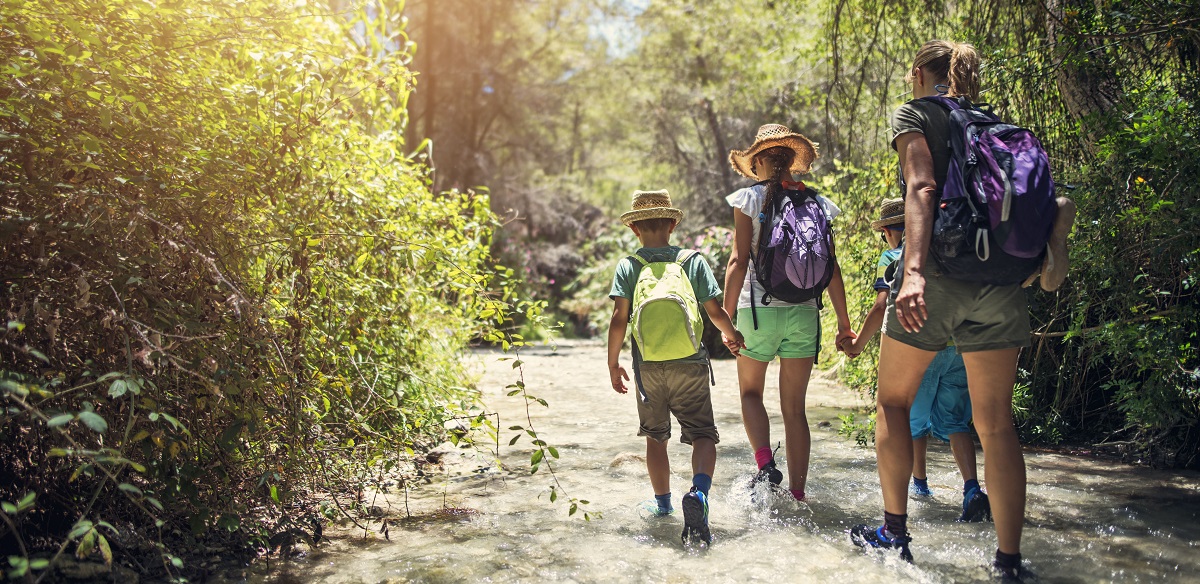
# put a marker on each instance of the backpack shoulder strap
(685, 255)
(947, 103)
(639, 259)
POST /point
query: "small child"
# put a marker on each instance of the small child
(670, 365)
(942, 406)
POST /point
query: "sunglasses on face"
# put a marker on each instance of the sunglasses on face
(896, 228)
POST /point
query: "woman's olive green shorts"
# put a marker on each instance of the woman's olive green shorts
(977, 316)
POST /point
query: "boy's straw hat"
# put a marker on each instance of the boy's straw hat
(770, 136)
(651, 205)
(891, 213)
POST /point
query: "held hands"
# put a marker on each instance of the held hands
(910, 303)
(618, 377)
(736, 344)
(847, 342)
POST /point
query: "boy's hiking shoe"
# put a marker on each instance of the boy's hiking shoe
(865, 536)
(650, 508)
(695, 517)
(976, 507)
(919, 490)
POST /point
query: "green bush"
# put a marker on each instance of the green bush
(230, 295)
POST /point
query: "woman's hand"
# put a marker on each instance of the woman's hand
(910, 303)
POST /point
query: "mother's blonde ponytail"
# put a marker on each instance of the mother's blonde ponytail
(953, 64)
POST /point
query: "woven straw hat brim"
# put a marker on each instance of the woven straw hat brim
(891, 212)
(630, 217)
(881, 223)
(806, 153)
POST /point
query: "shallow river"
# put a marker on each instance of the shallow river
(1087, 520)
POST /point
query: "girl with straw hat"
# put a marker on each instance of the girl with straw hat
(785, 330)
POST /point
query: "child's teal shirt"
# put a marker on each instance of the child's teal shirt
(704, 283)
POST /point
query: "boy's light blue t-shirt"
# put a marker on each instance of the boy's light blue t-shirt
(704, 283)
(885, 270)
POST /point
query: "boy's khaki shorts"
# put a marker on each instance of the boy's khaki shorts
(676, 388)
(979, 317)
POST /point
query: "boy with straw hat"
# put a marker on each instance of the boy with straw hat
(660, 285)
(942, 406)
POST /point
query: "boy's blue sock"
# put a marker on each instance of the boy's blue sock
(969, 485)
(664, 502)
(702, 482)
(921, 483)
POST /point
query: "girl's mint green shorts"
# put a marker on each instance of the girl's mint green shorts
(789, 332)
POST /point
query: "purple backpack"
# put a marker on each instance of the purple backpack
(997, 204)
(794, 259)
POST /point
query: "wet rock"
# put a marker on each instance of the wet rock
(824, 424)
(625, 459)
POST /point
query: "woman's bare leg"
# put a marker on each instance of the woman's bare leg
(990, 379)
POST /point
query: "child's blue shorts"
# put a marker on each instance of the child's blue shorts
(942, 406)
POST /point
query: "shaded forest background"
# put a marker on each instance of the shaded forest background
(243, 245)
(562, 108)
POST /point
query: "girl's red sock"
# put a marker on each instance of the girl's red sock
(798, 494)
(763, 456)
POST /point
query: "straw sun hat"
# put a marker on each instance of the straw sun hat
(770, 136)
(651, 205)
(890, 213)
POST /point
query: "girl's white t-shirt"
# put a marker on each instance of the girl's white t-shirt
(750, 202)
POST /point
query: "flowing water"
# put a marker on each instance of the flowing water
(1087, 520)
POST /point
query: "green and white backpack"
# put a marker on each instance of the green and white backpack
(666, 317)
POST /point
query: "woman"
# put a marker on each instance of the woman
(773, 328)
(989, 324)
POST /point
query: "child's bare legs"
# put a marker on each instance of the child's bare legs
(963, 448)
(991, 376)
(752, 378)
(1054, 268)
(793, 387)
(659, 467)
(920, 450)
(704, 456)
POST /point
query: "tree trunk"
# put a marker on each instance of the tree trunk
(1085, 78)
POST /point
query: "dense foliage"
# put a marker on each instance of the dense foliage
(653, 94)
(232, 300)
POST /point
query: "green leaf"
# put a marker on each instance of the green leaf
(94, 421)
(8, 508)
(118, 388)
(27, 501)
(514, 439)
(537, 456)
(553, 451)
(60, 420)
(128, 488)
(80, 528)
(105, 551)
(40, 564)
